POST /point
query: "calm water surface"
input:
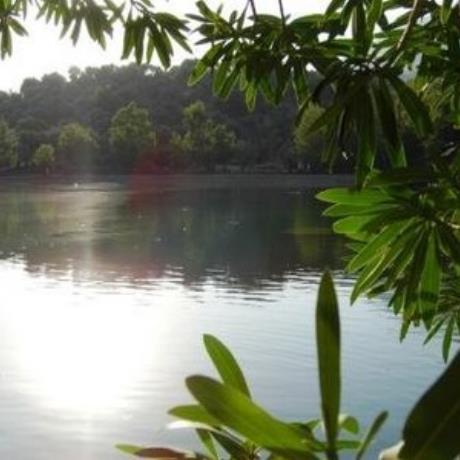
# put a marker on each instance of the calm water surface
(107, 288)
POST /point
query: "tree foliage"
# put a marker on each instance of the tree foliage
(44, 158)
(204, 142)
(76, 147)
(93, 96)
(130, 134)
(8, 145)
(402, 216)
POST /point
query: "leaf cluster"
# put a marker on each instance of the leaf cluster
(230, 424)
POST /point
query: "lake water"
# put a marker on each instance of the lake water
(107, 288)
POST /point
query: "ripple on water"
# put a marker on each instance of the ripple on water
(99, 326)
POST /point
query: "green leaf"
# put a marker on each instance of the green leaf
(431, 430)
(377, 266)
(327, 117)
(229, 83)
(359, 28)
(159, 452)
(447, 342)
(367, 140)
(374, 13)
(434, 330)
(236, 411)
(371, 434)
(430, 282)
(352, 224)
(198, 73)
(220, 75)
(230, 445)
(334, 5)
(401, 176)
(194, 413)
(348, 423)
(17, 27)
(375, 246)
(385, 109)
(328, 348)
(226, 364)
(365, 197)
(413, 105)
(342, 210)
(208, 443)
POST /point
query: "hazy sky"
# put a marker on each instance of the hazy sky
(43, 52)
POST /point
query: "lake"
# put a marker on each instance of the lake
(109, 285)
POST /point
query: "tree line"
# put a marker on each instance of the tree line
(138, 119)
(143, 119)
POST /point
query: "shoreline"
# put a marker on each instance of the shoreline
(188, 180)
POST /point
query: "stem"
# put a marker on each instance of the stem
(407, 31)
(253, 8)
(283, 15)
(332, 455)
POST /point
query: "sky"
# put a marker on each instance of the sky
(42, 51)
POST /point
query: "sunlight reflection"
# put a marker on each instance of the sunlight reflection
(77, 351)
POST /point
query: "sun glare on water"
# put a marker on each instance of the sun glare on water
(78, 353)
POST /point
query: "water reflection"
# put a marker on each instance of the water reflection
(107, 289)
(235, 237)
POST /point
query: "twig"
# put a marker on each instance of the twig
(283, 15)
(407, 31)
(253, 8)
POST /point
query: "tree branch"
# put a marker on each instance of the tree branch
(407, 31)
(253, 8)
(283, 15)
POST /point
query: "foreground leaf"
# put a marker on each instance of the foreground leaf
(371, 434)
(226, 364)
(159, 452)
(432, 428)
(328, 345)
(236, 411)
(194, 413)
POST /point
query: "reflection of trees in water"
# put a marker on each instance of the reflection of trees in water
(246, 237)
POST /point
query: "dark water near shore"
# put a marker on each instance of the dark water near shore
(108, 286)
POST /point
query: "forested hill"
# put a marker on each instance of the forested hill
(116, 119)
(145, 120)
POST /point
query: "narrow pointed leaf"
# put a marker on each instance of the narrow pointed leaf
(328, 346)
(236, 411)
(371, 434)
(226, 364)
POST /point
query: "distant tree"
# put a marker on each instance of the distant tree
(205, 142)
(8, 146)
(77, 148)
(47, 99)
(32, 132)
(130, 134)
(43, 158)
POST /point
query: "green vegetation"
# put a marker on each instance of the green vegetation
(229, 137)
(76, 147)
(130, 134)
(204, 141)
(43, 158)
(309, 146)
(402, 216)
(8, 145)
(230, 424)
